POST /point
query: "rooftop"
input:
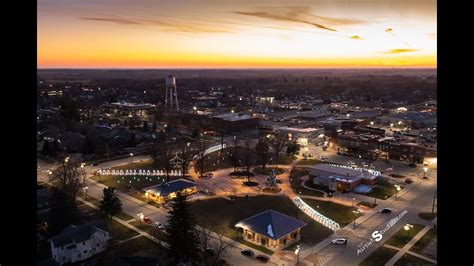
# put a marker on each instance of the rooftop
(232, 117)
(271, 224)
(77, 234)
(170, 187)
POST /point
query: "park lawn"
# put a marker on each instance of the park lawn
(341, 214)
(118, 231)
(150, 229)
(379, 257)
(384, 189)
(284, 159)
(295, 183)
(402, 237)
(221, 215)
(268, 170)
(127, 183)
(408, 259)
(427, 215)
(424, 241)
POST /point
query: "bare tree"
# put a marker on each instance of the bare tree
(235, 155)
(185, 154)
(205, 237)
(278, 142)
(165, 155)
(68, 175)
(262, 150)
(248, 159)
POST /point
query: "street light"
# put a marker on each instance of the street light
(131, 157)
(353, 199)
(141, 216)
(398, 190)
(50, 173)
(407, 228)
(355, 217)
(85, 190)
(83, 173)
(297, 253)
(147, 194)
(66, 160)
(425, 169)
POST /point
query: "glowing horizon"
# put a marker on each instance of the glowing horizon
(236, 34)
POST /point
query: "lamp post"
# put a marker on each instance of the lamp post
(355, 217)
(66, 160)
(131, 157)
(353, 200)
(407, 228)
(83, 172)
(297, 253)
(50, 173)
(398, 190)
(85, 190)
(425, 169)
(140, 216)
(434, 199)
(147, 194)
(195, 109)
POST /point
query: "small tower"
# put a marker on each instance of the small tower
(170, 92)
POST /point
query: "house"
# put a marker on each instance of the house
(166, 191)
(271, 229)
(77, 243)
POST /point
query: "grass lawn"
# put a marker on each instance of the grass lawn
(427, 215)
(382, 189)
(379, 257)
(424, 240)
(151, 230)
(118, 231)
(268, 170)
(295, 182)
(408, 259)
(339, 213)
(367, 204)
(220, 215)
(284, 159)
(127, 183)
(124, 216)
(402, 237)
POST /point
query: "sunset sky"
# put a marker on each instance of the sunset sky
(240, 34)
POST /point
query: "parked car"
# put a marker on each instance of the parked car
(147, 220)
(159, 225)
(263, 258)
(339, 241)
(408, 181)
(247, 252)
(385, 210)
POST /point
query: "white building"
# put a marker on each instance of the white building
(301, 135)
(77, 243)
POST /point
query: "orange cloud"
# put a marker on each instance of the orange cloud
(400, 51)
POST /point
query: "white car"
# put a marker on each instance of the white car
(159, 226)
(339, 241)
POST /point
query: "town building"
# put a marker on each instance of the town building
(342, 178)
(233, 123)
(271, 229)
(129, 109)
(168, 190)
(302, 136)
(77, 243)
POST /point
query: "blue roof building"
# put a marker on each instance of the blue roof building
(168, 190)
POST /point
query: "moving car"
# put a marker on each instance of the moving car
(247, 252)
(385, 210)
(339, 241)
(263, 258)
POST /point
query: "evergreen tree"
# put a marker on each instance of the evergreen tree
(46, 151)
(184, 240)
(110, 203)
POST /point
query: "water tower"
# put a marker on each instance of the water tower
(171, 92)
